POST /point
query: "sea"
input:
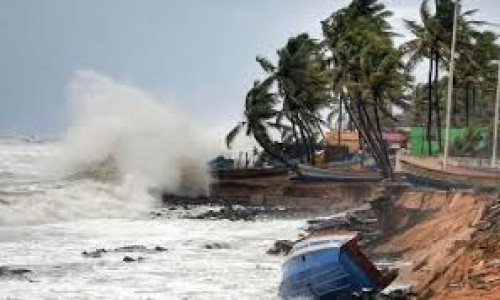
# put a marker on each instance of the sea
(48, 219)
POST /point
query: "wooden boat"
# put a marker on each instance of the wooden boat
(329, 266)
(343, 164)
(248, 173)
(429, 172)
(310, 173)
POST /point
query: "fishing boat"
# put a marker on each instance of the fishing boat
(430, 172)
(328, 266)
(347, 164)
(310, 173)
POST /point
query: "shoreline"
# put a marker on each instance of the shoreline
(432, 236)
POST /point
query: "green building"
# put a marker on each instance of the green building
(418, 139)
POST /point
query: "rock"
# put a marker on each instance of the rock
(280, 247)
(11, 272)
(217, 246)
(131, 248)
(128, 259)
(160, 249)
(94, 254)
(229, 213)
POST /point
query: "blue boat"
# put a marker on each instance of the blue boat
(328, 267)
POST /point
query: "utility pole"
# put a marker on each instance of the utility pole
(495, 128)
(450, 84)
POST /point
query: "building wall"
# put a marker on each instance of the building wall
(349, 139)
(419, 143)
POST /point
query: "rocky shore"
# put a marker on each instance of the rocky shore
(213, 208)
(445, 244)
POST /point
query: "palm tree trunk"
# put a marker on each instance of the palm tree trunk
(364, 128)
(266, 146)
(305, 131)
(361, 148)
(467, 93)
(303, 138)
(296, 137)
(381, 134)
(473, 99)
(340, 123)
(375, 111)
(356, 122)
(378, 141)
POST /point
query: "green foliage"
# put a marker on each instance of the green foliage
(470, 144)
(289, 99)
(368, 72)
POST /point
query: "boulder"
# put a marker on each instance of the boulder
(94, 254)
(280, 247)
(217, 245)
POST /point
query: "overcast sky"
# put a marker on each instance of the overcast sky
(199, 53)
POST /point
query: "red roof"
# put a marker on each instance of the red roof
(394, 137)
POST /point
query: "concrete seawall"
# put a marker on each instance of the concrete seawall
(296, 194)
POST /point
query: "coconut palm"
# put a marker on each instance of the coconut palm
(432, 40)
(368, 75)
(260, 111)
(301, 79)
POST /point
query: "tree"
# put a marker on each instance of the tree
(432, 40)
(260, 111)
(288, 100)
(368, 73)
(301, 79)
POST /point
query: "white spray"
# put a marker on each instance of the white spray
(119, 131)
(120, 143)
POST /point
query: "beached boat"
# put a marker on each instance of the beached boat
(310, 173)
(347, 164)
(328, 266)
(429, 171)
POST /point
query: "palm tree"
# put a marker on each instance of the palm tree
(368, 75)
(432, 40)
(301, 79)
(260, 111)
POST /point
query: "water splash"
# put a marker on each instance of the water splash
(121, 142)
(119, 130)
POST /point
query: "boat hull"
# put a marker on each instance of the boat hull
(248, 173)
(323, 274)
(313, 174)
(420, 174)
(328, 265)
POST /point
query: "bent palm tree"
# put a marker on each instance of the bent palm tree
(301, 79)
(258, 116)
(367, 70)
